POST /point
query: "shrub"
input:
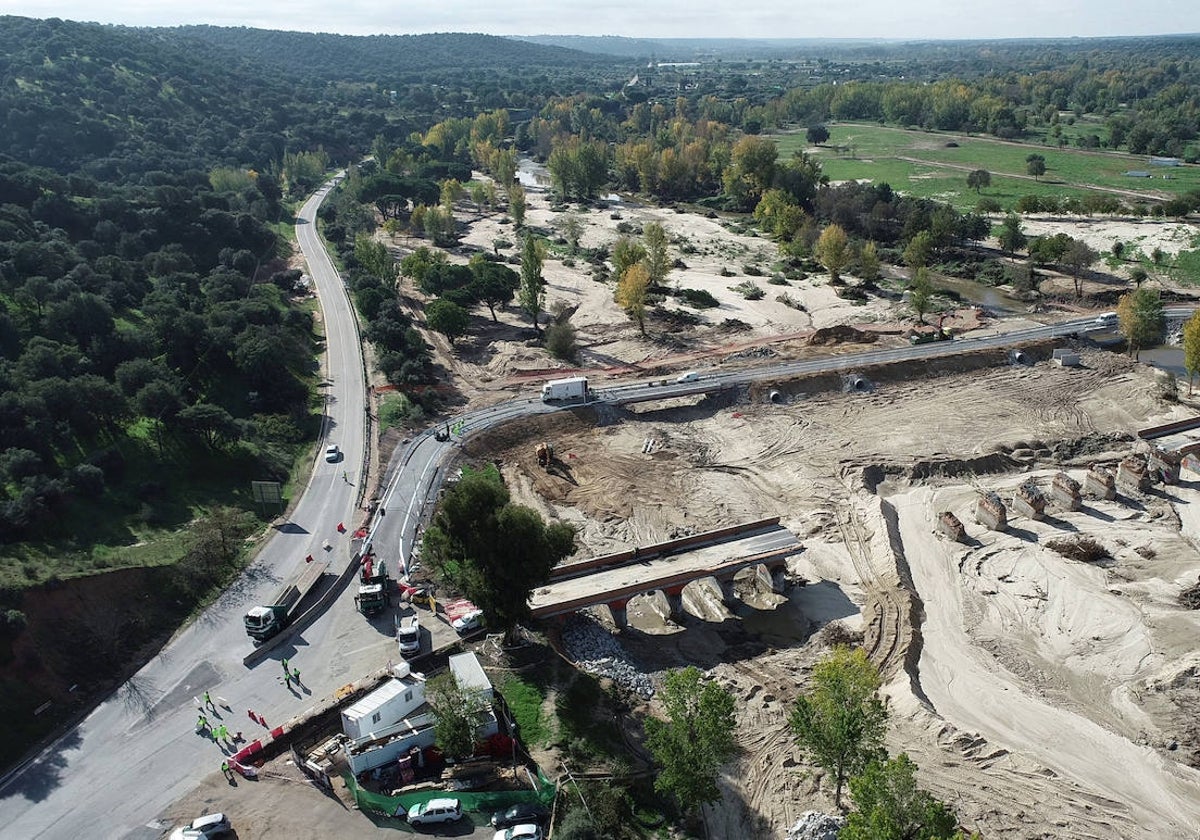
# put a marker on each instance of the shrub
(726, 271)
(749, 290)
(778, 280)
(1083, 549)
(699, 298)
(752, 270)
(560, 340)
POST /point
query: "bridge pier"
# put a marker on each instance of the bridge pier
(674, 595)
(620, 616)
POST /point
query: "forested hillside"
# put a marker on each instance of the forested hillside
(382, 57)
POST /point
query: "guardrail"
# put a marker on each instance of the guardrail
(623, 558)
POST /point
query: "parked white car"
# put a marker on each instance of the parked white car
(435, 811)
(526, 831)
(201, 828)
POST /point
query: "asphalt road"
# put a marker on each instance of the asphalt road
(138, 752)
(116, 773)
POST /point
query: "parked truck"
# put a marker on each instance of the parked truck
(571, 388)
(374, 587)
(265, 621)
(408, 635)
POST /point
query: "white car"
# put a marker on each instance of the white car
(435, 811)
(332, 453)
(526, 831)
(467, 623)
(209, 825)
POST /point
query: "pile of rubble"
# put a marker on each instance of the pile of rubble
(594, 649)
(813, 825)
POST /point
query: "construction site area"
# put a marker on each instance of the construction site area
(1041, 670)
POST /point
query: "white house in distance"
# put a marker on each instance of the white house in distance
(387, 724)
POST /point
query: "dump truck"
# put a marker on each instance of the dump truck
(265, 621)
(374, 593)
(408, 635)
(571, 388)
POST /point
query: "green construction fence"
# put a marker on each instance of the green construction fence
(477, 801)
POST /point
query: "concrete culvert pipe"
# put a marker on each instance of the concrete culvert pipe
(776, 397)
(858, 383)
(1018, 358)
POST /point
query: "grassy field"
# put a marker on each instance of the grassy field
(920, 163)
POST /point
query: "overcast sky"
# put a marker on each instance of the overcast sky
(652, 18)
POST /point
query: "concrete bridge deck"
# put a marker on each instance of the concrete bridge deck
(667, 571)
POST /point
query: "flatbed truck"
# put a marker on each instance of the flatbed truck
(263, 622)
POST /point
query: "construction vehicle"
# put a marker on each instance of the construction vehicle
(374, 593)
(265, 621)
(545, 455)
(408, 635)
(571, 388)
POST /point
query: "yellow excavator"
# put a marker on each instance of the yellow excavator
(545, 455)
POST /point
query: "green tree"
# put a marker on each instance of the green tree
(1191, 348)
(920, 293)
(697, 737)
(572, 230)
(416, 265)
(840, 722)
(374, 258)
(632, 291)
(1035, 165)
(977, 179)
(658, 259)
(890, 806)
(833, 251)
(868, 263)
(919, 250)
(532, 293)
(1011, 237)
(494, 284)
(447, 317)
(211, 423)
(455, 715)
(497, 552)
(626, 252)
(817, 135)
(517, 205)
(1138, 275)
(1141, 319)
(1079, 256)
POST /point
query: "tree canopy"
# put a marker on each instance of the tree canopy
(840, 721)
(497, 552)
(697, 737)
(1141, 319)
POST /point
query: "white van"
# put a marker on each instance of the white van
(687, 376)
(1106, 319)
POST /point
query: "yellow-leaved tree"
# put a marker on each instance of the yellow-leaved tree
(631, 293)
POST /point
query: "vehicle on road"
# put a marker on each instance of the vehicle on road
(571, 388)
(374, 587)
(408, 635)
(209, 825)
(526, 831)
(263, 622)
(525, 812)
(1106, 319)
(435, 811)
(332, 453)
(687, 376)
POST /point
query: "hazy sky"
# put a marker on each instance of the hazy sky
(653, 18)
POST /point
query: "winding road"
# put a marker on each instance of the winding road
(116, 773)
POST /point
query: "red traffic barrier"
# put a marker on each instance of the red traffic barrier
(277, 732)
(308, 559)
(253, 716)
(341, 528)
